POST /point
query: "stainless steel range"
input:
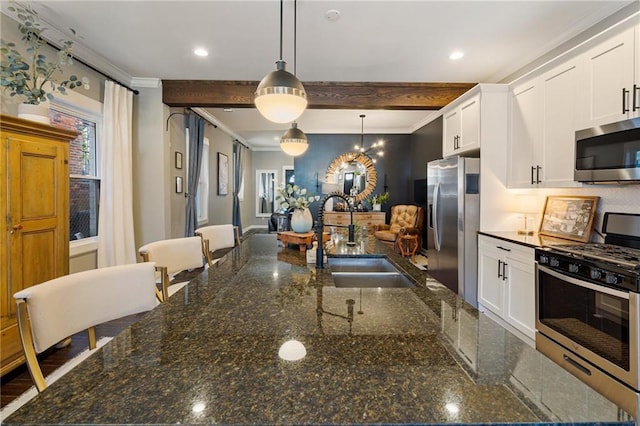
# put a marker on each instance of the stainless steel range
(587, 309)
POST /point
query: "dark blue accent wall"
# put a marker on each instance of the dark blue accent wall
(311, 167)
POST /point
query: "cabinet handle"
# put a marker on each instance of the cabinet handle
(504, 271)
(635, 97)
(625, 109)
(538, 174)
(532, 169)
(503, 248)
(15, 228)
(499, 268)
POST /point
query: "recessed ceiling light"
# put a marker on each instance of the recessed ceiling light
(332, 15)
(456, 55)
(201, 52)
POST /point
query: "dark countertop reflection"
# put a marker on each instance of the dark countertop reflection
(373, 355)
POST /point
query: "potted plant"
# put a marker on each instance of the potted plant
(31, 76)
(377, 200)
(296, 198)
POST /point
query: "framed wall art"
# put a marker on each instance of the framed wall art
(569, 217)
(223, 174)
(178, 160)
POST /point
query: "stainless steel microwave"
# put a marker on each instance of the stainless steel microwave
(609, 153)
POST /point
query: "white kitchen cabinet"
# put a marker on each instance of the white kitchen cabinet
(544, 113)
(525, 120)
(506, 283)
(611, 77)
(490, 283)
(461, 132)
(476, 115)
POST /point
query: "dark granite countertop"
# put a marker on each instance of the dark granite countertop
(407, 355)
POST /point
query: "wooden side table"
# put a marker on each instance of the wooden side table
(302, 240)
(408, 245)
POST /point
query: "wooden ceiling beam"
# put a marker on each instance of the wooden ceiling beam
(321, 94)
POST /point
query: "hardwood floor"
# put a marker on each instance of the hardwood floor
(18, 381)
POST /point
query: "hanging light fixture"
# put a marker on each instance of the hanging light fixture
(375, 149)
(280, 96)
(294, 142)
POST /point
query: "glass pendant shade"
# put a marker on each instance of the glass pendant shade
(294, 141)
(280, 96)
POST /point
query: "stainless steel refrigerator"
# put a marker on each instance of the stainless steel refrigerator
(453, 219)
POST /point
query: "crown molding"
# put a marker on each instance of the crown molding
(151, 83)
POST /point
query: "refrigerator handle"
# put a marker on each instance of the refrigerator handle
(436, 233)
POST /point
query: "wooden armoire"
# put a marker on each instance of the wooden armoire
(34, 205)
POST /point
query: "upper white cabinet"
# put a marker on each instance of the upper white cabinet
(469, 117)
(598, 86)
(612, 80)
(524, 135)
(544, 113)
(462, 127)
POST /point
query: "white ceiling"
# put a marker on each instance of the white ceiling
(386, 41)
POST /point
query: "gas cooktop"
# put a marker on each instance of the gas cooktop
(619, 255)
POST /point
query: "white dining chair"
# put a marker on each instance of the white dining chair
(175, 255)
(51, 311)
(217, 237)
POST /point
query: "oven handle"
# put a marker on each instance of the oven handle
(585, 284)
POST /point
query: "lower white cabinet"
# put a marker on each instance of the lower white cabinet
(506, 282)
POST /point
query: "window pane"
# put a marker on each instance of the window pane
(82, 150)
(84, 200)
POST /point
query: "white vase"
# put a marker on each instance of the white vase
(38, 113)
(301, 221)
(377, 207)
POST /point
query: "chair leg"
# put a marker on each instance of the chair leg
(91, 331)
(236, 234)
(27, 345)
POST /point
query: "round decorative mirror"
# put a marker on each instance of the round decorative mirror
(354, 173)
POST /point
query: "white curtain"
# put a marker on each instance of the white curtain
(116, 245)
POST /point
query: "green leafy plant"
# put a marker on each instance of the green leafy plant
(32, 75)
(295, 197)
(378, 198)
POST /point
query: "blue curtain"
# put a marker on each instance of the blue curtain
(196, 125)
(238, 166)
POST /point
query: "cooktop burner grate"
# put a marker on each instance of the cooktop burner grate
(612, 253)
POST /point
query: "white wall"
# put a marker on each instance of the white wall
(151, 173)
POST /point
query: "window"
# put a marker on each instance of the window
(84, 182)
(202, 194)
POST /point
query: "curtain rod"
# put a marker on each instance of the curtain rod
(236, 140)
(91, 67)
(183, 113)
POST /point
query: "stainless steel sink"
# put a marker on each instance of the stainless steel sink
(366, 272)
(361, 264)
(370, 279)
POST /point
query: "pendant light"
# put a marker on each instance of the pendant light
(368, 152)
(280, 96)
(294, 142)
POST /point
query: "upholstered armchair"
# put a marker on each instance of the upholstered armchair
(404, 219)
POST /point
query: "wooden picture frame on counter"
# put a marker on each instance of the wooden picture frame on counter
(569, 217)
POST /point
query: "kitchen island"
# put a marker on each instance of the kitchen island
(373, 355)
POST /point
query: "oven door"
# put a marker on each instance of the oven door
(597, 323)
